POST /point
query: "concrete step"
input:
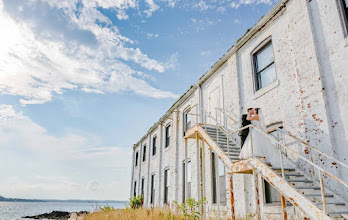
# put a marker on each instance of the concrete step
(231, 149)
(291, 174)
(299, 181)
(330, 203)
(338, 213)
(308, 187)
(318, 195)
(234, 158)
(224, 147)
(285, 168)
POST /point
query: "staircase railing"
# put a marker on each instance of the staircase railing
(199, 112)
(282, 148)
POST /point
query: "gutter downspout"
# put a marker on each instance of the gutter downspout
(160, 165)
(140, 162)
(201, 103)
(148, 196)
(177, 115)
(132, 178)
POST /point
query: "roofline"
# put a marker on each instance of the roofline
(240, 43)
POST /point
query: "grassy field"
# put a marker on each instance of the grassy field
(128, 214)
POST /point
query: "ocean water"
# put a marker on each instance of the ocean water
(16, 210)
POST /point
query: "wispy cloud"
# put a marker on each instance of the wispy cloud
(37, 63)
(205, 53)
(203, 6)
(237, 3)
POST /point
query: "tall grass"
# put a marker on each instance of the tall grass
(128, 214)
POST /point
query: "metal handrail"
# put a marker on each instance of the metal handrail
(278, 145)
(291, 135)
(225, 112)
(313, 148)
(218, 126)
(296, 153)
(321, 171)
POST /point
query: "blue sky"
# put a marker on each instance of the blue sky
(81, 81)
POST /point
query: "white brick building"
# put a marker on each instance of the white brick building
(294, 65)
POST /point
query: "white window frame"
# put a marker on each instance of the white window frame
(343, 17)
(265, 43)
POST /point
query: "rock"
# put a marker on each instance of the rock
(59, 215)
(73, 216)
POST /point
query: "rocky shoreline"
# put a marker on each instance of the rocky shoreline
(60, 215)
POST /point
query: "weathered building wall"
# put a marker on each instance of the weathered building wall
(332, 53)
(308, 98)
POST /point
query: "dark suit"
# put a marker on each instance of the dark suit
(244, 133)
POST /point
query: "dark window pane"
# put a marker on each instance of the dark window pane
(136, 158)
(154, 146)
(267, 76)
(213, 174)
(144, 153)
(142, 186)
(152, 199)
(167, 135)
(135, 189)
(345, 12)
(271, 194)
(264, 57)
(166, 185)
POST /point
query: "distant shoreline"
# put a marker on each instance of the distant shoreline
(3, 199)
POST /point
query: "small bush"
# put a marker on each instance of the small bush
(136, 202)
(190, 208)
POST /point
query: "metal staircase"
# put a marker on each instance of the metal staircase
(297, 187)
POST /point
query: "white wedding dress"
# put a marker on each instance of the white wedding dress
(260, 146)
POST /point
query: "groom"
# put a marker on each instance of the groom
(244, 133)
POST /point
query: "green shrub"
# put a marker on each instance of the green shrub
(136, 202)
(190, 208)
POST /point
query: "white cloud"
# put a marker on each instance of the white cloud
(150, 36)
(221, 9)
(203, 6)
(205, 53)
(152, 9)
(203, 23)
(36, 67)
(236, 4)
(236, 21)
(66, 166)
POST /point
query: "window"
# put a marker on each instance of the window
(187, 121)
(168, 135)
(186, 183)
(144, 153)
(264, 66)
(142, 186)
(221, 180)
(213, 175)
(343, 5)
(154, 139)
(166, 185)
(152, 199)
(272, 196)
(135, 189)
(136, 158)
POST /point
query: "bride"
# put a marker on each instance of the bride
(257, 144)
